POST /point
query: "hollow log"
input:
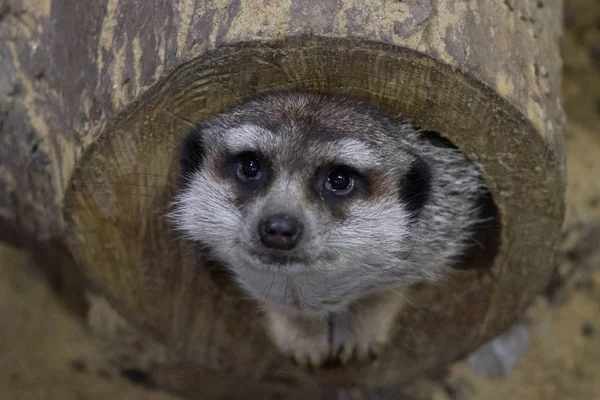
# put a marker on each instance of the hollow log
(95, 95)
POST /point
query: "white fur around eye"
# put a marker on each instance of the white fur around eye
(352, 152)
(247, 137)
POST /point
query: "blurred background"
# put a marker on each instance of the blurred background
(553, 354)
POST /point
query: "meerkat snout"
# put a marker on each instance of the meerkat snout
(280, 231)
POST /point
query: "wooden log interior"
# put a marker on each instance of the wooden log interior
(94, 97)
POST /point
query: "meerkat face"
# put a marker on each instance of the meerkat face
(301, 190)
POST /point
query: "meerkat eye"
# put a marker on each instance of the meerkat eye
(249, 167)
(340, 181)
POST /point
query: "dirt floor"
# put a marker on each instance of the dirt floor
(554, 354)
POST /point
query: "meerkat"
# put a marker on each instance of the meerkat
(324, 210)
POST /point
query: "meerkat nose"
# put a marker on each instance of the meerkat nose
(280, 232)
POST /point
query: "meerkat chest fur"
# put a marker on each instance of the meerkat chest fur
(314, 201)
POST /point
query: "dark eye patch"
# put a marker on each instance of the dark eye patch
(336, 201)
(248, 167)
(191, 155)
(340, 181)
(415, 187)
(238, 165)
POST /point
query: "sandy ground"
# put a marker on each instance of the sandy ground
(45, 353)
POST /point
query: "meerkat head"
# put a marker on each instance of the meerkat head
(318, 193)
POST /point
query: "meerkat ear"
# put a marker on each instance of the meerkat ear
(191, 154)
(415, 187)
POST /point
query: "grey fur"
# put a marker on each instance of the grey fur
(375, 246)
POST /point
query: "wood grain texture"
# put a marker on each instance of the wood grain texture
(95, 95)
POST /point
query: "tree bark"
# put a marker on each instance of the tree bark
(95, 95)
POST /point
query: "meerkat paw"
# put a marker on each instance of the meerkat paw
(363, 332)
(305, 340)
(352, 340)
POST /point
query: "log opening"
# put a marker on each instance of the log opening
(121, 191)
